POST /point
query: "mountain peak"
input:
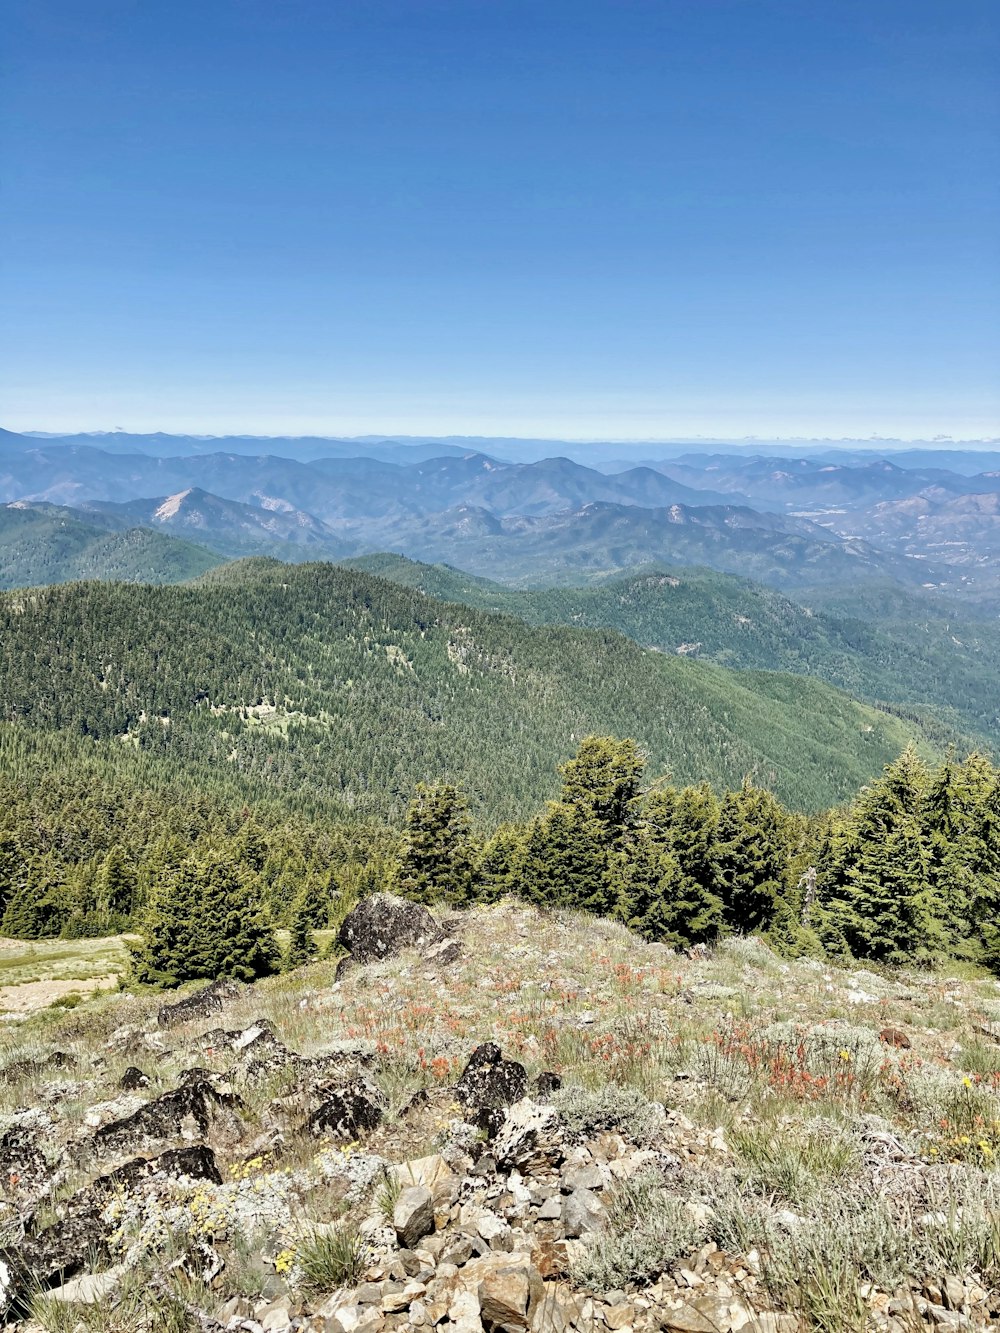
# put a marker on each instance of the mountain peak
(171, 505)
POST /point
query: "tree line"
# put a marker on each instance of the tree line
(907, 872)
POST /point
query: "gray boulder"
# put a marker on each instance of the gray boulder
(383, 924)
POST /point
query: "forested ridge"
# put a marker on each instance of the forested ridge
(908, 872)
(888, 645)
(52, 545)
(262, 734)
(337, 691)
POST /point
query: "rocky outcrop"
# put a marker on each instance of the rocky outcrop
(353, 1108)
(488, 1085)
(202, 1004)
(197, 1109)
(383, 924)
(24, 1169)
(46, 1258)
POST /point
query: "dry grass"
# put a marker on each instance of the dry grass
(781, 1098)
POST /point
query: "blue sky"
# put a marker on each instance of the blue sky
(624, 219)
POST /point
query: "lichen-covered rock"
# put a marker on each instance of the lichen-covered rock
(383, 924)
(443, 953)
(51, 1256)
(201, 1004)
(354, 1108)
(29, 1068)
(489, 1084)
(133, 1079)
(195, 1109)
(23, 1167)
(528, 1137)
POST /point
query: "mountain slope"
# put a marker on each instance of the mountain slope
(48, 545)
(327, 688)
(230, 526)
(601, 539)
(926, 653)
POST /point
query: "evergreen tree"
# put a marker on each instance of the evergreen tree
(645, 883)
(498, 871)
(40, 904)
(751, 855)
(565, 863)
(11, 864)
(960, 818)
(603, 782)
(116, 886)
(302, 946)
(888, 907)
(438, 857)
(313, 899)
(684, 823)
(204, 924)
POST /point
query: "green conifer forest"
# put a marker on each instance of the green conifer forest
(204, 764)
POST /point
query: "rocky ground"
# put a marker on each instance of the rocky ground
(506, 1120)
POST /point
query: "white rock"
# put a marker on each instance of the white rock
(85, 1290)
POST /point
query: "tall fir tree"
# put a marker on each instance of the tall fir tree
(684, 823)
(565, 863)
(498, 871)
(603, 783)
(204, 924)
(888, 906)
(438, 856)
(752, 854)
(644, 884)
(12, 860)
(302, 947)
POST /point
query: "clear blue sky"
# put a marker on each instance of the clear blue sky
(578, 218)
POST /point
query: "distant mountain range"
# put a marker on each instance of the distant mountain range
(228, 526)
(966, 457)
(50, 545)
(787, 522)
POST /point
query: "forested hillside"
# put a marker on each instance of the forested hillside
(49, 545)
(886, 644)
(338, 689)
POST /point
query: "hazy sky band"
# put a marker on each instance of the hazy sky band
(628, 220)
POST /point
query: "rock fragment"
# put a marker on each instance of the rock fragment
(413, 1215)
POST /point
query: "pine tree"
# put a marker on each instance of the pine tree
(645, 882)
(302, 946)
(437, 860)
(313, 900)
(565, 863)
(498, 871)
(603, 782)
(11, 866)
(887, 904)
(684, 823)
(961, 818)
(204, 924)
(752, 854)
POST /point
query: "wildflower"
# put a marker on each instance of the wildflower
(845, 1055)
(283, 1262)
(966, 1082)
